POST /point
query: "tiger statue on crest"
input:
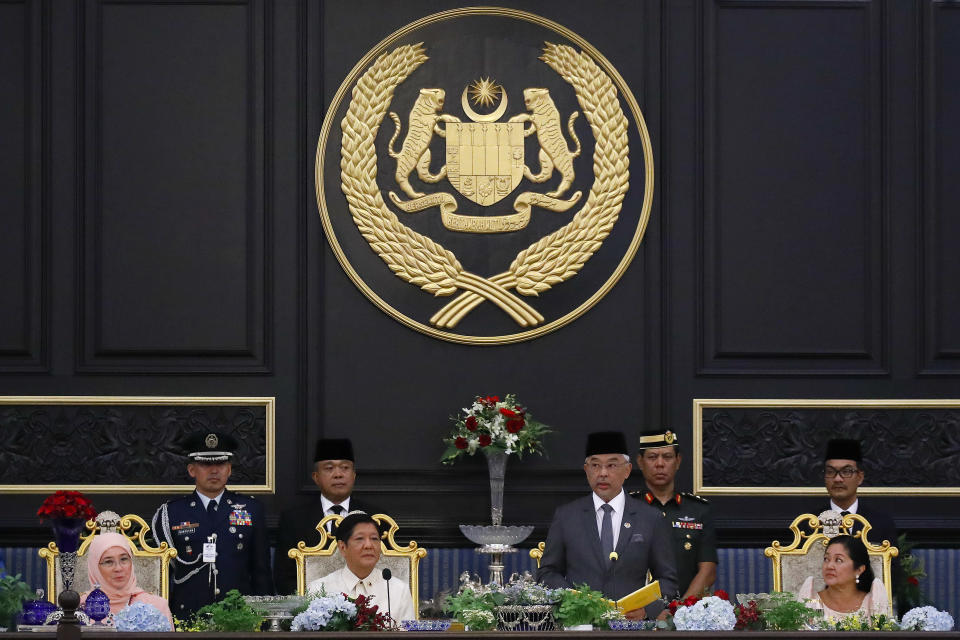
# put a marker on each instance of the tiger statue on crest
(544, 119)
(415, 152)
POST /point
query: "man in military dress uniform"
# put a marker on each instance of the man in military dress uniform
(220, 536)
(691, 523)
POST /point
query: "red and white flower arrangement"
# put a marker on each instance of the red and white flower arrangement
(491, 424)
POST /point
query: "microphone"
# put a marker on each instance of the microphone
(387, 574)
(614, 556)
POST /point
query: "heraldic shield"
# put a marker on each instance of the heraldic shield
(466, 222)
(485, 159)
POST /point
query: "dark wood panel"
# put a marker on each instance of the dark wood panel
(175, 269)
(940, 325)
(23, 162)
(792, 268)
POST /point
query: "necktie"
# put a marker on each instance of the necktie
(336, 510)
(212, 508)
(606, 532)
(844, 513)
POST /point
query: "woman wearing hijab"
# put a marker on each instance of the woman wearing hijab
(110, 566)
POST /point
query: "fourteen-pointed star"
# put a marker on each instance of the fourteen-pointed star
(485, 92)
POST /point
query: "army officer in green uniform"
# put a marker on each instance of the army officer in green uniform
(691, 522)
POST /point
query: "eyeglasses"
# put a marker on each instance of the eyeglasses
(846, 472)
(595, 467)
(110, 563)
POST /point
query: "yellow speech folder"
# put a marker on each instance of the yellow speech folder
(639, 598)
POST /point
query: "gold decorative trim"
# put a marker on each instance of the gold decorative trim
(388, 547)
(332, 118)
(537, 552)
(138, 543)
(269, 404)
(808, 540)
(699, 404)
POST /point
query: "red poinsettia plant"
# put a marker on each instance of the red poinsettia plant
(491, 424)
(369, 617)
(67, 504)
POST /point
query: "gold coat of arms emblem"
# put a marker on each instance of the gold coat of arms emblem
(502, 169)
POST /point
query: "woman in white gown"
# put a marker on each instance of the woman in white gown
(850, 585)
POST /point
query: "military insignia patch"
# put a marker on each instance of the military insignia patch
(240, 517)
(517, 206)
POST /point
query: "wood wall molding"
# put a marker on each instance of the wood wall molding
(792, 277)
(939, 324)
(24, 180)
(175, 280)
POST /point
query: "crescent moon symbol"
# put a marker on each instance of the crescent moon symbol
(490, 117)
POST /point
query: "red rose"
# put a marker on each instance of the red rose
(690, 601)
(508, 413)
(723, 595)
(460, 443)
(470, 423)
(484, 440)
(673, 607)
(913, 580)
(514, 424)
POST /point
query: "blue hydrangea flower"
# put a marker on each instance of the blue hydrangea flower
(324, 611)
(141, 616)
(708, 614)
(926, 619)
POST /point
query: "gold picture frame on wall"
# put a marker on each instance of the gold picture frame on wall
(269, 420)
(702, 404)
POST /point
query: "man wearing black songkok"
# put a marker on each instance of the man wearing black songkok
(842, 475)
(334, 473)
(587, 532)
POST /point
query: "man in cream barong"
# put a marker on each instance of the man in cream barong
(358, 539)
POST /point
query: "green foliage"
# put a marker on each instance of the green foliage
(469, 600)
(857, 622)
(909, 594)
(783, 612)
(230, 614)
(581, 605)
(13, 593)
(478, 619)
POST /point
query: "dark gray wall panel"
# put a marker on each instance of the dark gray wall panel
(941, 267)
(792, 273)
(175, 221)
(22, 113)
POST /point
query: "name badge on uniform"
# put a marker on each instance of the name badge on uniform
(240, 517)
(209, 551)
(185, 528)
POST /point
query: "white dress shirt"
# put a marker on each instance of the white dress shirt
(852, 508)
(616, 516)
(344, 581)
(204, 500)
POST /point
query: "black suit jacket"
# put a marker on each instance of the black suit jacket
(296, 524)
(573, 555)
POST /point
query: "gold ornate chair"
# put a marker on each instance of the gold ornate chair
(152, 564)
(795, 562)
(317, 561)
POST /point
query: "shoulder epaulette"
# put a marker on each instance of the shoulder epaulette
(694, 496)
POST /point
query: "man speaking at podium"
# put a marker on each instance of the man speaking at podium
(586, 533)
